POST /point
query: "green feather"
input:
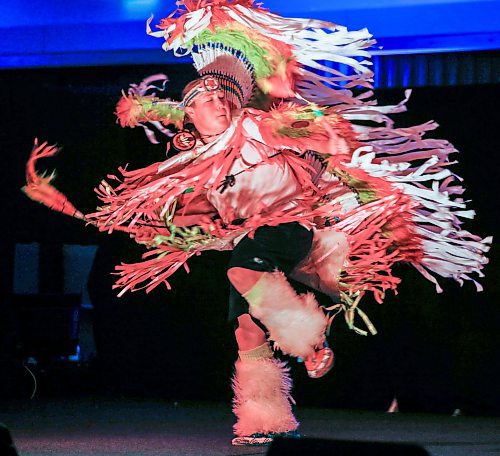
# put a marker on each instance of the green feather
(364, 192)
(163, 110)
(292, 132)
(254, 51)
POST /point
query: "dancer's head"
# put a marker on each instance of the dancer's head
(206, 106)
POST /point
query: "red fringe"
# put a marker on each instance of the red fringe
(380, 233)
(374, 250)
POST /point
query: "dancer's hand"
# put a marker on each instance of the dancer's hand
(190, 212)
(336, 144)
(182, 221)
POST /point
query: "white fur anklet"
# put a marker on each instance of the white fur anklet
(295, 322)
(262, 399)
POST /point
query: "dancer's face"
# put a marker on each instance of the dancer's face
(210, 112)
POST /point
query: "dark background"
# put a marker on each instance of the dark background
(434, 352)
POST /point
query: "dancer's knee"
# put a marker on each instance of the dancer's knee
(243, 279)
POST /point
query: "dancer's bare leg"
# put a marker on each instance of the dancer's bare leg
(248, 334)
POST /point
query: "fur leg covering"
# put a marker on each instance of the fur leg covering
(295, 322)
(262, 400)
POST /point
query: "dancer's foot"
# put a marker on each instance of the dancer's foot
(320, 362)
(259, 439)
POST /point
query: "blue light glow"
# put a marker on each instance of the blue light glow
(134, 9)
(376, 71)
(45, 33)
(405, 77)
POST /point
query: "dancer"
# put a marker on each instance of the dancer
(322, 188)
(257, 270)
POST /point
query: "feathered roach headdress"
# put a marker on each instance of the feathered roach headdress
(284, 57)
(246, 47)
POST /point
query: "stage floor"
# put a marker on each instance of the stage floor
(107, 427)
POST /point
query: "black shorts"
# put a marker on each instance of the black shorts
(280, 247)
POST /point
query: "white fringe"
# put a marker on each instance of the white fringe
(449, 251)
